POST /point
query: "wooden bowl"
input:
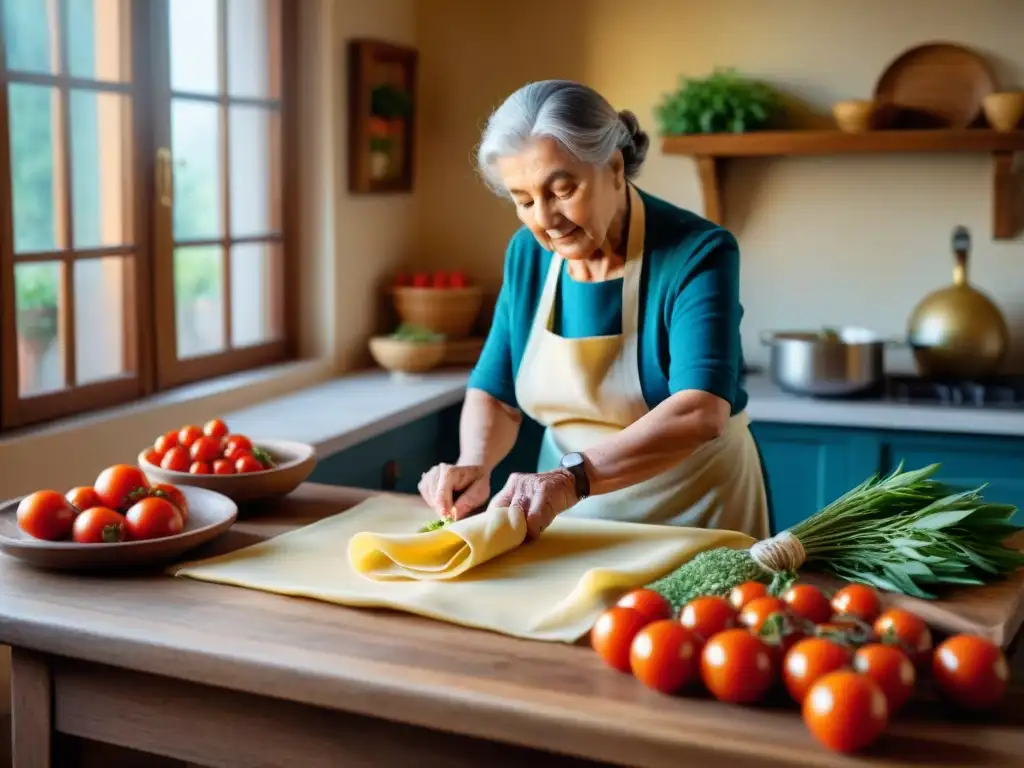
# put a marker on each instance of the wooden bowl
(210, 515)
(449, 311)
(405, 356)
(295, 462)
(936, 85)
(854, 115)
(1004, 111)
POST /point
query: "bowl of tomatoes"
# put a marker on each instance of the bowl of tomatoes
(121, 520)
(442, 302)
(240, 467)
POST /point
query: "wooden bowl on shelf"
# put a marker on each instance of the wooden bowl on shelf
(854, 115)
(294, 463)
(449, 311)
(1004, 110)
(407, 356)
(209, 515)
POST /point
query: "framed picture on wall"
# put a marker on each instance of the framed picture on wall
(382, 116)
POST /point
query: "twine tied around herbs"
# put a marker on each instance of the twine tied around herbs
(782, 552)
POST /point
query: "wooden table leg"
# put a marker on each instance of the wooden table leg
(31, 710)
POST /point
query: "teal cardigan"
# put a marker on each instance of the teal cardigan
(690, 309)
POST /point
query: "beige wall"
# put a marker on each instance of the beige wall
(825, 240)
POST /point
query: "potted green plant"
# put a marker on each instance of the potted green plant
(36, 301)
(389, 106)
(721, 102)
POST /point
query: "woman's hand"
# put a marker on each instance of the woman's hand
(542, 497)
(440, 485)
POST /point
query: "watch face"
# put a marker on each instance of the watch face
(572, 460)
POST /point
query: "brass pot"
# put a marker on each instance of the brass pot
(958, 332)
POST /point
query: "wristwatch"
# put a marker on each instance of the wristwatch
(577, 467)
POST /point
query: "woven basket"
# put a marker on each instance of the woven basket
(450, 311)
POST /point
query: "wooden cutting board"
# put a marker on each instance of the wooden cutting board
(995, 611)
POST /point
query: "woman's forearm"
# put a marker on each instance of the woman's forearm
(487, 429)
(658, 440)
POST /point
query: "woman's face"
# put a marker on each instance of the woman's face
(569, 206)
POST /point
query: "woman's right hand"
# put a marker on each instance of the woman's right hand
(440, 485)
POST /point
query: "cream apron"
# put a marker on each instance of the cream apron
(586, 390)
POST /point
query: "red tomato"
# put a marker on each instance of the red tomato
(215, 428)
(439, 280)
(808, 602)
(648, 602)
(971, 671)
(223, 467)
(612, 635)
(857, 600)
(99, 525)
(458, 279)
(845, 711)
(665, 656)
(174, 495)
(205, 449)
(120, 486)
(899, 627)
(176, 459)
(153, 456)
(810, 659)
(420, 280)
(236, 444)
(164, 443)
(737, 667)
(707, 616)
(740, 595)
(189, 434)
(248, 463)
(46, 515)
(153, 518)
(200, 468)
(83, 497)
(757, 611)
(891, 668)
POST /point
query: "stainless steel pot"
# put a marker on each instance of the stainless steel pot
(833, 362)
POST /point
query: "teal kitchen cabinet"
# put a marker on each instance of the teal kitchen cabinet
(808, 467)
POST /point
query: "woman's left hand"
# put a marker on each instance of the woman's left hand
(542, 497)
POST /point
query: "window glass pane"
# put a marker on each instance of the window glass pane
(195, 145)
(38, 307)
(30, 35)
(96, 33)
(100, 154)
(255, 293)
(103, 316)
(36, 167)
(254, 29)
(194, 46)
(199, 300)
(254, 154)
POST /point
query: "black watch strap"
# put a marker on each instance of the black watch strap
(577, 466)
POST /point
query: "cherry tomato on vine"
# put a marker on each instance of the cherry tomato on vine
(845, 711)
(743, 593)
(971, 671)
(665, 656)
(810, 659)
(612, 635)
(707, 616)
(737, 667)
(808, 602)
(757, 611)
(857, 600)
(646, 601)
(903, 628)
(891, 668)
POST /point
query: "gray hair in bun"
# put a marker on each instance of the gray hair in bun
(575, 116)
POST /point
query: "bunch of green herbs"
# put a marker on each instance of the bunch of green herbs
(721, 102)
(906, 532)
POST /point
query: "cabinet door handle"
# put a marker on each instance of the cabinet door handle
(164, 177)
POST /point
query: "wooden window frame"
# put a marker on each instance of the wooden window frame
(150, 342)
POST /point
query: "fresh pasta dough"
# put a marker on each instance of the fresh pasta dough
(480, 572)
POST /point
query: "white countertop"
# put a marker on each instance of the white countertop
(356, 407)
(769, 403)
(351, 409)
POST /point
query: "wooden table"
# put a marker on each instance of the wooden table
(220, 676)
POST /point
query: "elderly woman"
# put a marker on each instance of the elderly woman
(616, 328)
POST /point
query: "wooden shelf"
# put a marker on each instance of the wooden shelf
(710, 150)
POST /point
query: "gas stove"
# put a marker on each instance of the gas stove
(999, 392)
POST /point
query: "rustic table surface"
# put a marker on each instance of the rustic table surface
(220, 676)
